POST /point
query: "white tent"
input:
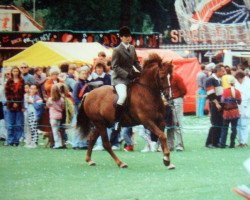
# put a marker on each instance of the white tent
(228, 56)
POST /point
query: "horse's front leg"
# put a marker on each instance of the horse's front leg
(158, 131)
(107, 146)
(92, 141)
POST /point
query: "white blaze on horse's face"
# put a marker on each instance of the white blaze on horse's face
(163, 74)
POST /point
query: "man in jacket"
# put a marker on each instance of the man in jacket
(214, 91)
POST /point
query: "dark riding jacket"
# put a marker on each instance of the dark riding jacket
(122, 63)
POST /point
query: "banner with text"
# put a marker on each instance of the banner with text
(110, 39)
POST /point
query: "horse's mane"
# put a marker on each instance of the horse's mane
(152, 59)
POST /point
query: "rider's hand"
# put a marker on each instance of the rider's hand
(137, 74)
(130, 76)
(134, 75)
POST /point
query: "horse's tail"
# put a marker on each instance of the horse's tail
(83, 122)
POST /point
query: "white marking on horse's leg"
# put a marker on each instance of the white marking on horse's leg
(91, 163)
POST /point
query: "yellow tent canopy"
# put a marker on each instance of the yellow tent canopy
(44, 54)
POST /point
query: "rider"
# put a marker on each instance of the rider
(126, 68)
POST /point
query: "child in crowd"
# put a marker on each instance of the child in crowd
(56, 105)
(99, 76)
(81, 88)
(26, 126)
(231, 97)
(68, 112)
(34, 112)
(40, 79)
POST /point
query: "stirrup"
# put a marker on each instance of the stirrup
(117, 126)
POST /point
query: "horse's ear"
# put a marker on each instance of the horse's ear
(171, 62)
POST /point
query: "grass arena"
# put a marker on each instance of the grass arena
(200, 173)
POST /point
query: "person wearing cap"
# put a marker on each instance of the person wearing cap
(210, 66)
(126, 68)
(231, 97)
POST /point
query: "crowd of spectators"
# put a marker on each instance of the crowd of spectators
(227, 91)
(27, 92)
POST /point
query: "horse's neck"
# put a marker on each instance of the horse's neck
(149, 80)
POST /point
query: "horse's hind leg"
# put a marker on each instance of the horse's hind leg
(92, 141)
(107, 146)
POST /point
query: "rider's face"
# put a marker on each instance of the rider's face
(126, 39)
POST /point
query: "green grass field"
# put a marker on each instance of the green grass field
(200, 174)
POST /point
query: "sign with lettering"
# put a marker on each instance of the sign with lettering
(201, 36)
(111, 38)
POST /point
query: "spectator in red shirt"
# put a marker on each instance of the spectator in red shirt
(175, 94)
(231, 97)
(14, 92)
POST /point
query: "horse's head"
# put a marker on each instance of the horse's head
(165, 71)
(157, 71)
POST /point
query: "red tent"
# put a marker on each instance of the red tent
(187, 68)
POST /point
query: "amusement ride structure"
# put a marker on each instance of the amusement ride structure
(199, 30)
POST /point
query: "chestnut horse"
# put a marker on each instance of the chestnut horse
(144, 106)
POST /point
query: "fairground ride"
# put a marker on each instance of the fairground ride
(231, 31)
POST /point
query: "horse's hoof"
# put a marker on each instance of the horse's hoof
(166, 161)
(91, 163)
(123, 165)
(171, 166)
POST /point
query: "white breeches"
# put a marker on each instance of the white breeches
(121, 90)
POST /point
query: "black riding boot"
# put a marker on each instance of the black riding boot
(118, 116)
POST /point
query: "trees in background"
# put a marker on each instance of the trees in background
(99, 15)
